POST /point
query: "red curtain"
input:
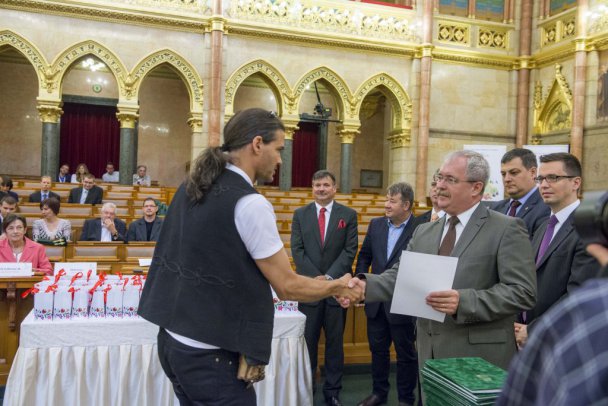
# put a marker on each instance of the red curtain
(89, 134)
(305, 161)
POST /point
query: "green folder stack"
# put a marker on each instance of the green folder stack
(461, 382)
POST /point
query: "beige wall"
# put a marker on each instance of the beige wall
(164, 142)
(20, 125)
(79, 82)
(368, 148)
(465, 98)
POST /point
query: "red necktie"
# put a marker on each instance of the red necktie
(322, 223)
(514, 205)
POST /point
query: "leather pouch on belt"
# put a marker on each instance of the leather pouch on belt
(249, 373)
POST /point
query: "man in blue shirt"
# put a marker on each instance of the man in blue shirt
(565, 361)
(387, 237)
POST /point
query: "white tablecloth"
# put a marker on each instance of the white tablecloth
(115, 362)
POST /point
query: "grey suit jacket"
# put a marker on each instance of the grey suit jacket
(494, 277)
(335, 257)
(564, 267)
(534, 212)
(137, 230)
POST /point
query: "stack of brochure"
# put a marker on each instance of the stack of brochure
(461, 381)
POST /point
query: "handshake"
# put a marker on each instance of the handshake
(350, 290)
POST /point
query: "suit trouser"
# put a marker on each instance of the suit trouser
(203, 377)
(380, 333)
(331, 318)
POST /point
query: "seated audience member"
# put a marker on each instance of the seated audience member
(140, 178)
(148, 227)
(7, 185)
(51, 228)
(44, 192)
(435, 213)
(81, 171)
(88, 193)
(64, 174)
(8, 205)
(111, 175)
(106, 229)
(565, 362)
(16, 247)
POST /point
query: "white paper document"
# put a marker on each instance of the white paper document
(420, 274)
(145, 261)
(72, 268)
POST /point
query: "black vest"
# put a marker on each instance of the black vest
(203, 284)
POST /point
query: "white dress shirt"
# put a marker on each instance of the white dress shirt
(463, 219)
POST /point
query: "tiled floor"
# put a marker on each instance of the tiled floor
(356, 385)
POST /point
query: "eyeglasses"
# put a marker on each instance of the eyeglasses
(551, 178)
(451, 180)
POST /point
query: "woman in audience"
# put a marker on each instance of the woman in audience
(18, 248)
(78, 176)
(50, 228)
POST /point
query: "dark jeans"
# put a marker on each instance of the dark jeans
(380, 333)
(203, 377)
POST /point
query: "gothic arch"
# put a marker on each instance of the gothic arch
(344, 102)
(396, 94)
(554, 112)
(186, 71)
(67, 58)
(31, 53)
(271, 75)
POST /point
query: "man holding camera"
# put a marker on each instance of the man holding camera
(562, 264)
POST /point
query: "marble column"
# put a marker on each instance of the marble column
(580, 73)
(128, 163)
(216, 88)
(323, 126)
(347, 137)
(49, 115)
(425, 97)
(198, 141)
(523, 74)
(287, 157)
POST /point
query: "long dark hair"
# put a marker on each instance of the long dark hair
(239, 131)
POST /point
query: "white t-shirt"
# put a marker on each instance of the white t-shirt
(114, 177)
(256, 224)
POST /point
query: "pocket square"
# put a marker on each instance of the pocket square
(341, 224)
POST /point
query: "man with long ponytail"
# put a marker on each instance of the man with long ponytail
(219, 251)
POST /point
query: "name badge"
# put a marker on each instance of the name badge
(15, 269)
(72, 268)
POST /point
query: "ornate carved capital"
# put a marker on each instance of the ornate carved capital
(127, 119)
(348, 134)
(196, 123)
(399, 138)
(50, 113)
(290, 130)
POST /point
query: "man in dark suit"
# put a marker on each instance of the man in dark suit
(518, 168)
(435, 213)
(88, 193)
(44, 192)
(494, 279)
(562, 264)
(64, 174)
(8, 205)
(148, 227)
(106, 229)
(323, 245)
(387, 237)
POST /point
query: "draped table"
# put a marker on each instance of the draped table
(115, 362)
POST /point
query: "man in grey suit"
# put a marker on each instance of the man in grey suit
(88, 193)
(562, 263)
(494, 279)
(148, 227)
(518, 168)
(323, 245)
